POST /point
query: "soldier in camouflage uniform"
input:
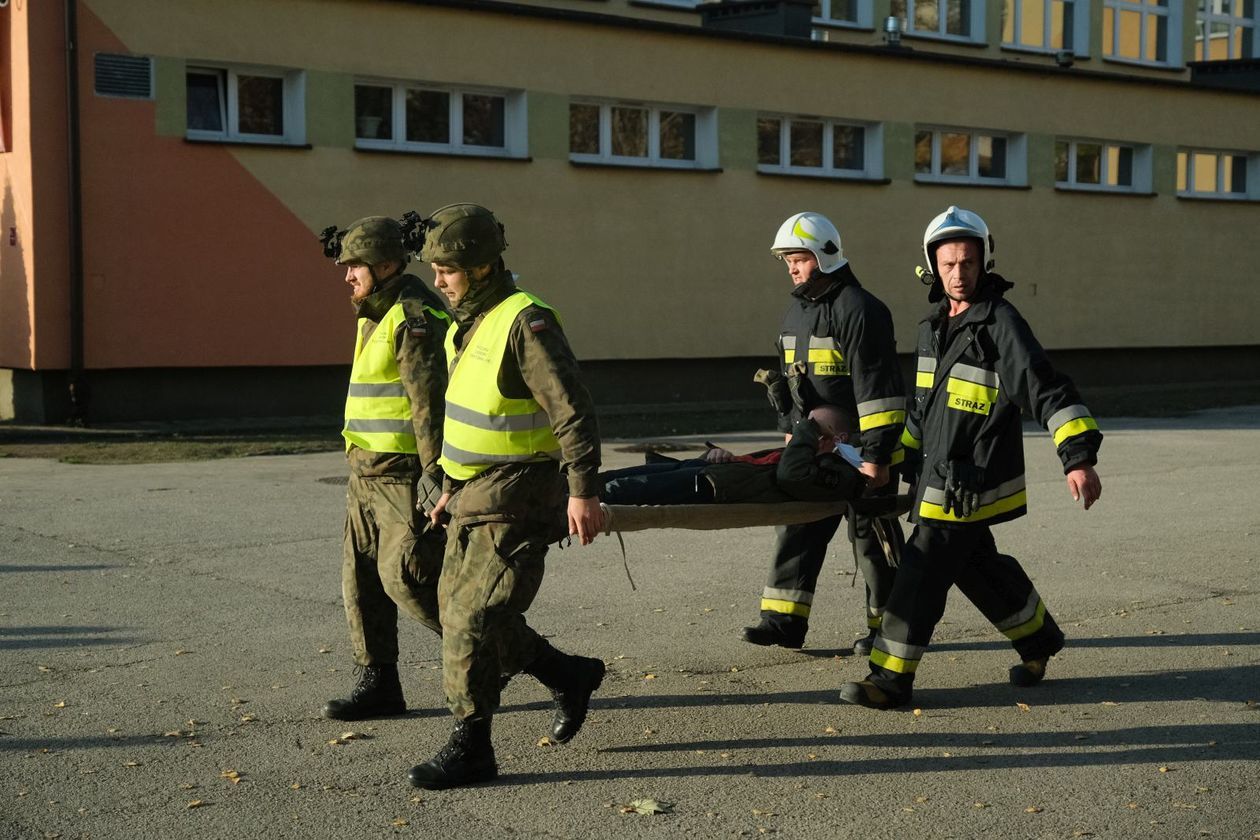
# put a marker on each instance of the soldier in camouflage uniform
(519, 424)
(393, 433)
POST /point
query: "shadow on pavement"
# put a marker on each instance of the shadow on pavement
(56, 745)
(1229, 685)
(1233, 738)
(1159, 746)
(36, 637)
(68, 567)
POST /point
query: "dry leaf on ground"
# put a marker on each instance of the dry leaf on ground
(647, 807)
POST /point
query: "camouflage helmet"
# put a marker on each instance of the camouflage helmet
(373, 240)
(463, 235)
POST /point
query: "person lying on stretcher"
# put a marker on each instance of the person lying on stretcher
(811, 468)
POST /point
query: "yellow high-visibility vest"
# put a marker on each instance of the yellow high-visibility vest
(378, 413)
(483, 427)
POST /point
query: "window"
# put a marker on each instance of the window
(424, 118)
(1225, 29)
(1215, 174)
(1142, 31)
(642, 135)
(951, 19)
(237, 104)
(1100, 165)
(813, 146)
(843, 13)
(961, 155)
(1045, 25)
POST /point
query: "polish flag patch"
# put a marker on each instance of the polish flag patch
(538, 325)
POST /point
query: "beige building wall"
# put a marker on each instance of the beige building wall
(659, 264)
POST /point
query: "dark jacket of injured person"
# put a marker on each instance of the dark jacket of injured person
(803, 474)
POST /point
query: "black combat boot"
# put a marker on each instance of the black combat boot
(467, 759)
(572, 680)
(377, 694)
(1029, 673)
(785, 632)
(866, 693)
(863, 647)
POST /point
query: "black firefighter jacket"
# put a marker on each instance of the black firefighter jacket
(973, 379)
(845, 335)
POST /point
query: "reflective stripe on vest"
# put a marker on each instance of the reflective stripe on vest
(378, 413)
(483, 427)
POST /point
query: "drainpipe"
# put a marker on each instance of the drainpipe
(78, 395)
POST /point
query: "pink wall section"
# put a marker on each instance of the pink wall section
(188, 259)
(33, 197)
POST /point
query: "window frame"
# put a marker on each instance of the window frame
(865, 18)
(1139, 174)
(1078, 31)
(1206, 17)
(1251, 191)
(975, 23)
(705, 140)
(1172, 13)
(872, 149)
(292, 98)
(1016, 157)
(515, 120)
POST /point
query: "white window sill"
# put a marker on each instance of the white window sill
(1048, 52)
(1235, 197)
(636, 163)
(822, 174)
(1150, 65)
(482, 152)
(956, 181)
(850, 25)
(960, 40)
(221, 140)
(1097, 189)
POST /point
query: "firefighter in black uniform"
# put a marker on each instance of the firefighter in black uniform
(978, 366)
(836, 346)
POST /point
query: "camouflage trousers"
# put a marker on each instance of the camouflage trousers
(387, 563)
(490, 575)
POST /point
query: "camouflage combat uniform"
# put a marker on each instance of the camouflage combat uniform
(503, 519)
(389, 561)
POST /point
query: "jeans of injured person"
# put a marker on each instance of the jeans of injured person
(670, 483)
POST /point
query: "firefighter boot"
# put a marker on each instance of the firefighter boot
(783, 631)
(1029, 673)
(571, 680)
(377, 694)
(467, 759)
(866, 693)
(863, 647)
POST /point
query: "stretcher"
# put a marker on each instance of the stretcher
(718, 517)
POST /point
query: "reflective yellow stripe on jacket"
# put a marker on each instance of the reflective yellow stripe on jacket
(378, 413)
(1006, 497)
(483, 427)
(1070, 421)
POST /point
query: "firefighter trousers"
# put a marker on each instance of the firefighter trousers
(936, 559)
(798, 559)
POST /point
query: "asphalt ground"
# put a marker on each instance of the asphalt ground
(169, 632)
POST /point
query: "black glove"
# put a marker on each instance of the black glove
(428, 491)
(804, 398)
(776, 390)
(963, 483)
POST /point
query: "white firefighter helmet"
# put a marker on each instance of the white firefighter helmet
(957, 223)
(811, 232)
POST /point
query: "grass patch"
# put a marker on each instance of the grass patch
(86, 448)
